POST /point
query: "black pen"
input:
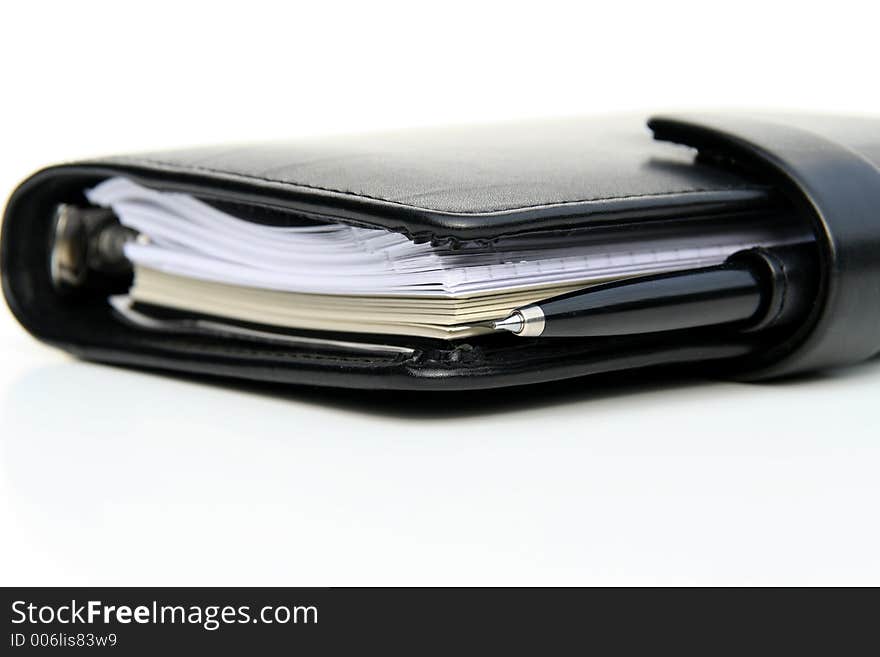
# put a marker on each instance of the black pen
(753, 289)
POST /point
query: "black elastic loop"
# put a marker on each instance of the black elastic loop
(840, 189)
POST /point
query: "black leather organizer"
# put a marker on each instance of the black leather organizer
(465, 184)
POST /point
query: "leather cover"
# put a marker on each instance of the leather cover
(451, 185)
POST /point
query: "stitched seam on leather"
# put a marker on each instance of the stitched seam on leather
(297, 357)
(288, 183)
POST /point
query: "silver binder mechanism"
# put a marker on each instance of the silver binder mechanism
(85, 240)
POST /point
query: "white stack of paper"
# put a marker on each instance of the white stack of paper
(333, 277)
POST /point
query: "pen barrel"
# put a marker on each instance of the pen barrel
(788, 277)
(726, 294)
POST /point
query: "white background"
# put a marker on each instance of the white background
(109, 476)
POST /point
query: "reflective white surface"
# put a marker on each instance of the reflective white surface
(110, 476)
(117, 477)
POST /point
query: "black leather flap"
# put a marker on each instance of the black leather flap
(462, 183)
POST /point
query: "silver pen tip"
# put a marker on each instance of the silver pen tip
(514, 323)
